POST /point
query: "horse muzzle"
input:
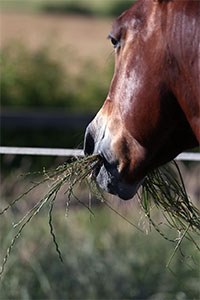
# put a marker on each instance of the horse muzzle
(98, 140)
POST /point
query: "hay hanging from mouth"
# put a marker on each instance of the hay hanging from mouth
(166, 189)
(163, 188)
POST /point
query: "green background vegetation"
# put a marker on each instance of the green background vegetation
(104, 257)
(34, 79)
(100, 8)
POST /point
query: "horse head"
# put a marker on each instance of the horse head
(151, 113)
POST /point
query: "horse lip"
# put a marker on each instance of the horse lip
(110, 182)
(108, 178)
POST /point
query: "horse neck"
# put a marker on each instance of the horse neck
(183, 37)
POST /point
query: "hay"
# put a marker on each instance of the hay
(161, 189)
(164, 190)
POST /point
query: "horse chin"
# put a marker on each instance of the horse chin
(109, 180)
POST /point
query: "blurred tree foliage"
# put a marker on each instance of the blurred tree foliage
(31, 79)
(35, 79)
(97, 8)
(84, 7)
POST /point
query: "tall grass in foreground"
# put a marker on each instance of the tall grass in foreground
(161, 189)
(103, 258)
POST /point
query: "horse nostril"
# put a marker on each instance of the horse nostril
(88, 143)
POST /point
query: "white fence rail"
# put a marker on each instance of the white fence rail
(186, 156)
(41, 151)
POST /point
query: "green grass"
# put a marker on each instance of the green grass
(103, 258)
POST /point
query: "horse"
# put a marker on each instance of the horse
(152, 110)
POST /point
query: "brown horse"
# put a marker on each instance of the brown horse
(152, 111)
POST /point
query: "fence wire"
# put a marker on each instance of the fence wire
(185, 156)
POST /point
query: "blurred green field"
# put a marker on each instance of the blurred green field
(104, 255)
(104, 258)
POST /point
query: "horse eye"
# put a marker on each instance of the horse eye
(115, 42)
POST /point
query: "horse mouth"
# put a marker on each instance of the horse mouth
(109, 179)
